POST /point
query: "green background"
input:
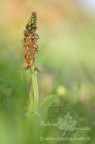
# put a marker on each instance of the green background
(67, 58)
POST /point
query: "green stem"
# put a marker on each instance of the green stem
(34, 100)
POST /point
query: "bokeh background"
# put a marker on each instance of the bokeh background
(66, 55)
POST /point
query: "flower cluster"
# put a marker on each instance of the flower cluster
(30, 42)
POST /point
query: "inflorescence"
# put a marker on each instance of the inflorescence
(30, 42)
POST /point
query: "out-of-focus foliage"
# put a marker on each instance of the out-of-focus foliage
(66, 55)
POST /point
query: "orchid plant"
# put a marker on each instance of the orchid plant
(31, 49)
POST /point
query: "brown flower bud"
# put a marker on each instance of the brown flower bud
(35, 46)
(25, 33)
(37, 70)
(36, 36)
(33, 14)
(27, 48)
(27, 26)
(24, 39)
(31, 42)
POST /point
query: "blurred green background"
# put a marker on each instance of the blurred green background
(67, 57)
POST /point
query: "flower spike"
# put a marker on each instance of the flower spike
(30, 42)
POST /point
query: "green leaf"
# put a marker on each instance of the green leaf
(43, 109)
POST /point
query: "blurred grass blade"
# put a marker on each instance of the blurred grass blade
(30, 109)
(43, 109)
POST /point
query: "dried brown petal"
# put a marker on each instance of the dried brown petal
(27, 48)
(25, 67)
